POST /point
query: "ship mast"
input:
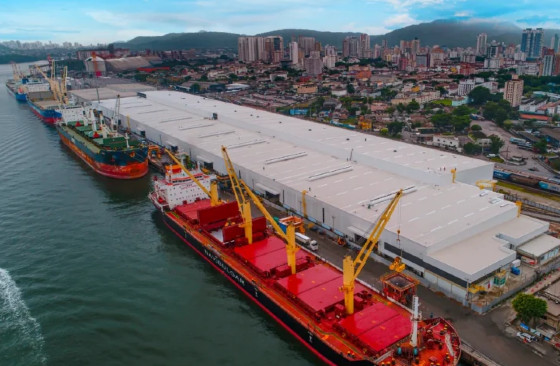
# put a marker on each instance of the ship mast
(415, 320)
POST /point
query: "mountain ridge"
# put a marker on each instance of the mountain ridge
(442, 32)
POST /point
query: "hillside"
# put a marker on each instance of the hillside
(450, 33)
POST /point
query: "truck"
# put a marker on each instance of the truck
(305, 240)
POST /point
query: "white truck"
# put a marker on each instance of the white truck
(305, 240)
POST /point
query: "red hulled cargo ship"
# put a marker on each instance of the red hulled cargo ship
(309, 304)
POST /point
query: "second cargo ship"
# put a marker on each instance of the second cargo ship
(105, 150)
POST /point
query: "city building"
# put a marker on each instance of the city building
(294, 53)
(247, 49)
(329, 61)
(313, 64)
(554, 43)
(306, 44)
(548, 63)
(465, 87)
(513, 91)
(365, 45)
(481, 44)
(351, 47)
(532, 42)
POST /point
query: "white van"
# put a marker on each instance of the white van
(526, 337)
(306, 240)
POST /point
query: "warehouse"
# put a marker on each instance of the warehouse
(451, 233)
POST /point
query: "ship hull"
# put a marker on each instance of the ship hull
(49, 116)
(298, 330)
(133, 168)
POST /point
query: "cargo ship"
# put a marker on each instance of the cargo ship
(105, 150)
(16, 89)
(309, 303)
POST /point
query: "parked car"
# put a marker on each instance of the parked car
(526, 337)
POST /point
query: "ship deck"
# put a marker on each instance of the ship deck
(313, 297)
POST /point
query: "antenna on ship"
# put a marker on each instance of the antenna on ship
(126, 139)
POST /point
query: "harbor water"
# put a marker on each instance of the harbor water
(90, 276)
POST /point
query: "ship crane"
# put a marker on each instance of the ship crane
(55, 88)
(212, 193)
(352, 268)
(239, 188)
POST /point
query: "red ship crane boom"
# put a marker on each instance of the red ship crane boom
(352, 268)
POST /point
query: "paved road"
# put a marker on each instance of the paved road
(510, 150)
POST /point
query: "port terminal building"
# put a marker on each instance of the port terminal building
(448, 231)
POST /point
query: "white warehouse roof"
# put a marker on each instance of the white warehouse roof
(349, 176)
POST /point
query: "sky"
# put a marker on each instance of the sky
(105, 21)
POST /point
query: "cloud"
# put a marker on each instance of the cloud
(463, 13)
(539, 19)
(107, 17)
(400, 20)
(405, 4)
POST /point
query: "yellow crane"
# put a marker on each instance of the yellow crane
(55, 87)
(212, 193)
(486, 184)
(239, 188)
(244, 205)
(352, 268)
(304, 203)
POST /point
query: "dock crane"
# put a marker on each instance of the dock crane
(352, 268)
(239, 188)
(212, 194)
(55, 87)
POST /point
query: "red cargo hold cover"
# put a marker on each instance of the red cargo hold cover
(305, 280)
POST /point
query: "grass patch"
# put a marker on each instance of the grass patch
(497, 159)
(522, 189)
(445, 102)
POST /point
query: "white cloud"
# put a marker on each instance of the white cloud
(405, 4)
(403, 19)
(463, 13)
(106, 17)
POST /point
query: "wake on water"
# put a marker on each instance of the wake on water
(21, 342)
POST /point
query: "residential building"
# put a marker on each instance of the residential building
(351, 47)
(481, 44)
(365, 45)
(274, 47)
(247, 49)
(532, 42)
(313, 64)
(554, 43)
(306, 44)
(465, 87)
(448, 142)
(548, 63)
(514, 91)
(294, 53)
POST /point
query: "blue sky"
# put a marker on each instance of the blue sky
(107, 21)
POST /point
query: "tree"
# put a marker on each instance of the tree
(394, 128)
(529, 307)
(390, 110)
(471, 148)
(462, 110)
(384, 131)
(480, 95)
(441, 120)
(350, 88)
(476, 128)
(541, 146)
(412, 106)
(496, 144)
(401, 107)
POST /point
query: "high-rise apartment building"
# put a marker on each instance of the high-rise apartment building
(313, 64)
(294, 53)
(481, 41)
(252, 49)
(554, 43)
(532, 42)
(351, 47)
(247, 49)
(365, 45)
(548, 62)
(514, 91)
(307, 44)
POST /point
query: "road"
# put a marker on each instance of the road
(509, 150)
